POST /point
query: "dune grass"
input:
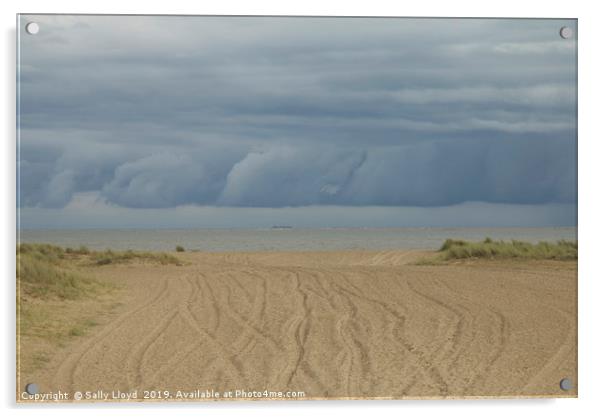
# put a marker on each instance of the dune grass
(45, 269)
(82, 250)
(51, 285)
(43, 272)
(50, 277)
(498, 249)
(54, 254)
(112, 257)
(59, 300)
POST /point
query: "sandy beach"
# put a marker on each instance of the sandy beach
(350, 324)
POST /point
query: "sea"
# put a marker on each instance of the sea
(284, 238)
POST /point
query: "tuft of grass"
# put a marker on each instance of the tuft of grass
(43, 273)
(77, 331)
(491, 249)
(82, 250)
(110, 257)
(180, 248)
(40, 258)
(452, 249)
(451, 242)
(42, 251)
(39, 359)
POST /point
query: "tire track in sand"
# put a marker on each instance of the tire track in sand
(135, 359)
(503, 331)
(316, 311)
(65, 375)
(357, 353)
(344, 356)
(396, 328)
(222, 353)
(298, 329)
(449, 343)
(301, 331)
(565, 349)
(258, 308)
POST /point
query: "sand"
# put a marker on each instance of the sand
(330, 324)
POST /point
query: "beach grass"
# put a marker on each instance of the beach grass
(453, 249)
(51, 277)
(113, 257)
(59, 297)
(45, 253)
(51, 285)
(43, 272)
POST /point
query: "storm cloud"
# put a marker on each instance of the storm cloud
(161, 112)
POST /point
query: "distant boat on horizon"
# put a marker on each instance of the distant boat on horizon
(277, 226)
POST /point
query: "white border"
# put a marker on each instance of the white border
(590, 207)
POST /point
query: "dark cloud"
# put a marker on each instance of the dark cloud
(168, 180)
(159, 112)
(291, 177)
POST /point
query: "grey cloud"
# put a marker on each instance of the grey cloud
(541, 95)
(51, 174)
(290, 177)
(527, 172)
(164, 180)
(264, 112)
(60, 189)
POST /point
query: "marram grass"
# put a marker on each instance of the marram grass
(499, 249)
(112, 257)
(50, 271)
(43, 272)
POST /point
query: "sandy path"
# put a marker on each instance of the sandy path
(346, 324)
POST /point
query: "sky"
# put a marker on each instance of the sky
(147, 121)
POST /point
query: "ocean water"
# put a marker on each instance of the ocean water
(224, 240)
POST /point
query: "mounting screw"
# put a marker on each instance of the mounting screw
(566, 32)
(32, 28)
(32, 389)
(566, 384)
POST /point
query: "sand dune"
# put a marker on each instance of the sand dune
(331, 324)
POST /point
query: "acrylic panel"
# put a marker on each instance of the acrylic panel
(295, 208)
